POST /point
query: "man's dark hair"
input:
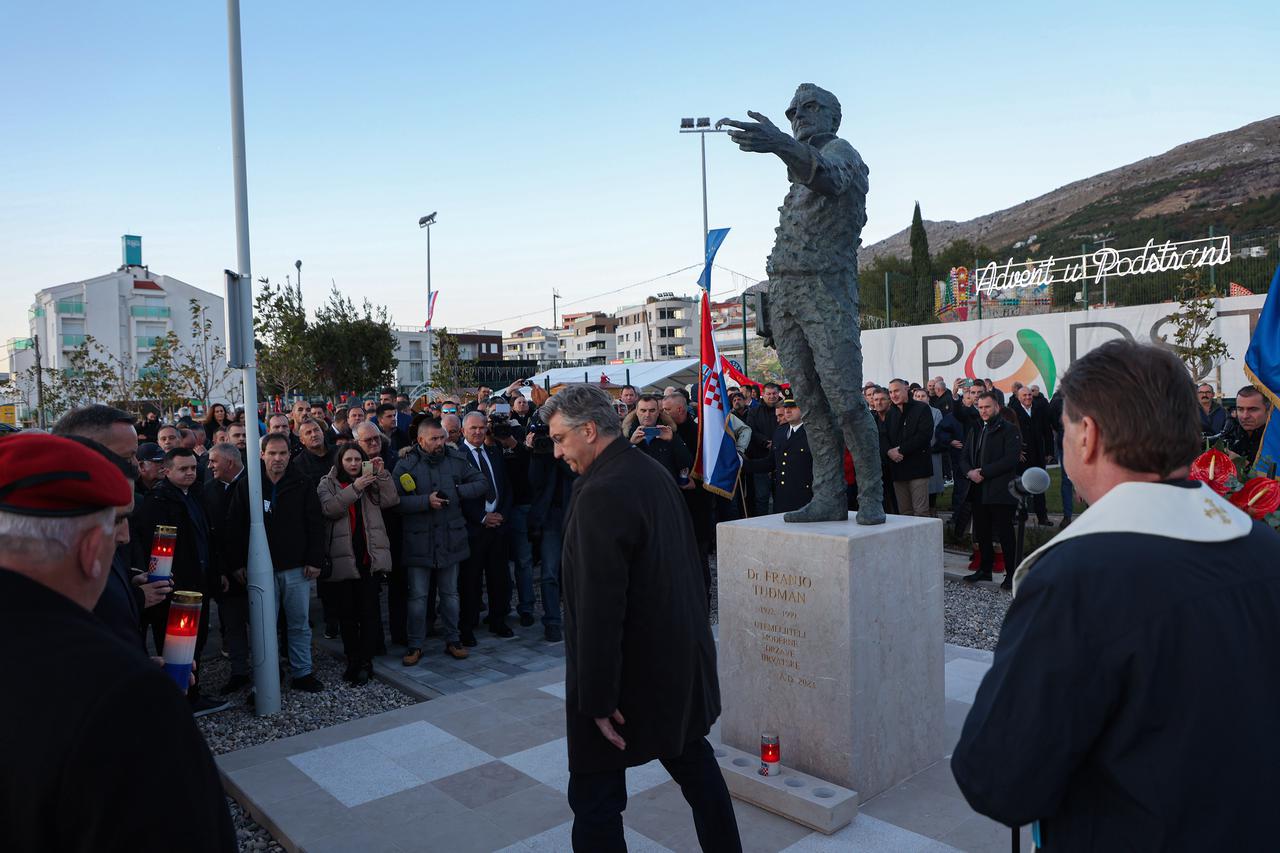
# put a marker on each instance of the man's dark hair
(989, 395)
(648, 398)
(680, 392)
(179, 453)
(383, 408)
(1143, 401)
(387, 390)
(774, 385)
(900, 382)
(270, 437)
(184, 433)
(91, 421)
(1252, 391)
(625, 387)
(124, 466)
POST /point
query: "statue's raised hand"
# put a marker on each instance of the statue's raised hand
(761, 135)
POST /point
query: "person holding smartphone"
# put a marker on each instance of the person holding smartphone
(352, 497)
(654, 434)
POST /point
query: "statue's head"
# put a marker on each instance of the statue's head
(813, 111)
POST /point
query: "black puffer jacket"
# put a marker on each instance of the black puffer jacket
(436, 537)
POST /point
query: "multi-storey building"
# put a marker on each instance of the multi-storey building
(665, 326)
(532, 343)
(588, 337)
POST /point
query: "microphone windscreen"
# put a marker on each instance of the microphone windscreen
(406, 480)
(1035, 481)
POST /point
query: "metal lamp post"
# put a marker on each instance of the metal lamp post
(261, 577)
(702, 126)
(425, 223)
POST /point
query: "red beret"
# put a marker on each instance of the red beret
(53, 476)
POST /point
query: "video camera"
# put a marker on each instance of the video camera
(541, 436)
(500, 426)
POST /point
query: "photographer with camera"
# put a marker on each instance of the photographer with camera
(551, 486)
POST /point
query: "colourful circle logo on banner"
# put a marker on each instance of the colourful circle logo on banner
(1023, 358)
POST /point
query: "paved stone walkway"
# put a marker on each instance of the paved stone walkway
(485, 769)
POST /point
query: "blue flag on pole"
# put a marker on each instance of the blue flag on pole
(1262, 366)
(716, 462)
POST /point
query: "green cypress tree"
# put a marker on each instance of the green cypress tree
(921, 302)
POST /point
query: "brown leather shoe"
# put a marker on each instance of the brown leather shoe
(456, 651)
(412, 657)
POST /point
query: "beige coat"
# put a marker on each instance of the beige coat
(335, 504)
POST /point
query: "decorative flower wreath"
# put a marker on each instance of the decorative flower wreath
(1257, 496)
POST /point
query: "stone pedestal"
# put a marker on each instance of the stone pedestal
(831, 635)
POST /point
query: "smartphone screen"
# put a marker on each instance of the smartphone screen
(366, 467)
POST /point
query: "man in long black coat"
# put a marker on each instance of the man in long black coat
(1037, 440)
(640, 680)
(991, 451)
(909, 432)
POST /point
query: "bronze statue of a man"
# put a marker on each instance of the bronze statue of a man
(813, 296)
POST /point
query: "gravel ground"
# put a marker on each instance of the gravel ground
(974, 614)
(238, 728)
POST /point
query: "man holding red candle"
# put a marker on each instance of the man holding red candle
(75, 753)
(640, 680)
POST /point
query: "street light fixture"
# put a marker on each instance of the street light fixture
(426, 222)
(701, 126)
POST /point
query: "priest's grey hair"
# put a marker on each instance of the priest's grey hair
(578, 404)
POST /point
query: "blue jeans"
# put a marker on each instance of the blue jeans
(293, 593)
(552, 542)
(447, 586)
(522, 550)
(1068, 488)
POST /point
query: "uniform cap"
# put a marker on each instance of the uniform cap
(149, 451)
(49, 475)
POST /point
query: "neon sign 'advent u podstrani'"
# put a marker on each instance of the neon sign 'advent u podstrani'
(1104, 263)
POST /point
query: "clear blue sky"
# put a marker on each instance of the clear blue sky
(545, 133)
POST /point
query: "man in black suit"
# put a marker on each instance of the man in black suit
(1037, 441)
(991, 451)
(232, 596)
(487, 534)
(909, 432)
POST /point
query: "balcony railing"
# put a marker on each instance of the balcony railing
(72, 341)
(149, 311)
(148, 341)
(69, 307)
(148, 372)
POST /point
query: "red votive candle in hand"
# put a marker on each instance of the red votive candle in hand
(162, 544)
(770, 754)
(180, 637)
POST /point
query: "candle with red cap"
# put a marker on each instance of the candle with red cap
(163, 542)
(770, 754)
(180, 637)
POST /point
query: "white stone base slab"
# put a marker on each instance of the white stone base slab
(794, 795)
(831, 635)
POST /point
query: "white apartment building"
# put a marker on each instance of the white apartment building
(480, 345)
(665, 326)
(588, 337)
(125, 312)
(532, 343)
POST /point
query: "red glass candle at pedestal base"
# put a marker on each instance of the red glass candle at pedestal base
(770, 754)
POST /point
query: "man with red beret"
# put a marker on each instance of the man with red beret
(95, 724)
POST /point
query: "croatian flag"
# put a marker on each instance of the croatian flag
(431, 306)
(1262, 366)
(717, 463)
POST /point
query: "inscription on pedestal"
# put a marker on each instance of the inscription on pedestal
(779, 624)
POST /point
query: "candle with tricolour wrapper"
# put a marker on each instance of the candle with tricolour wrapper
(180, 637)
(163, 542)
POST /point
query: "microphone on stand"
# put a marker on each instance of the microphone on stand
(1034, 481)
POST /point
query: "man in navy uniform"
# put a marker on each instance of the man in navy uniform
(89, 721)
(792, 461)
(1131, 704)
